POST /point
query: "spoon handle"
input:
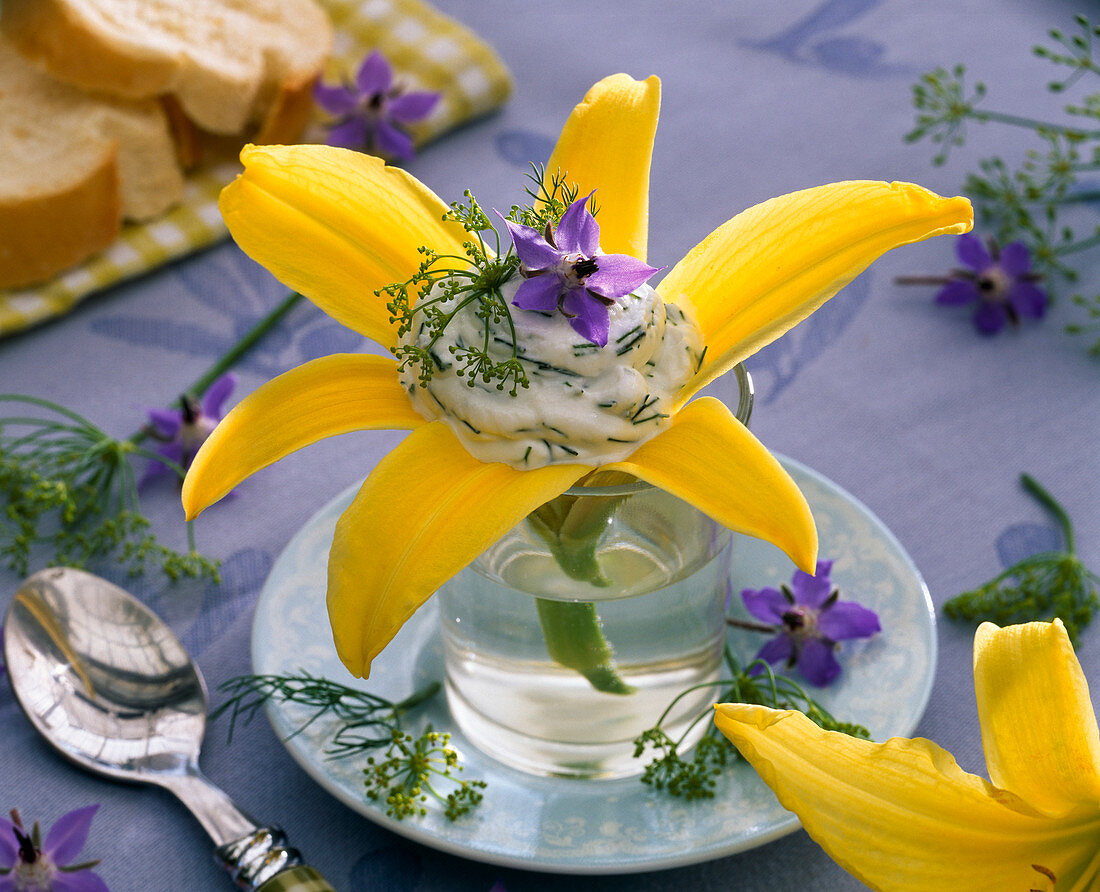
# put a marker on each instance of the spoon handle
(219, 815)
(297, 879)
(261, 861)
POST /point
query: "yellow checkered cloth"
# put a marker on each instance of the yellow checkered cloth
(428, 51)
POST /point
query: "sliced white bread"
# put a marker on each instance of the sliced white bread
(72, 166)
(233, 65)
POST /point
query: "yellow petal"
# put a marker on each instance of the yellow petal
(607, 145)
(902, 815)
(769, 267)
(1038, 726)
(425, 512)
(708, 458)
(328, 396)
(336, 225)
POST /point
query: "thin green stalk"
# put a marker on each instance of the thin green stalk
(81, 422)
(572, 527)
(1032, 124)
(234, 354)
(69, 483)
(1075, 247)
(1048, 501)
(231, 357)
(417, 697)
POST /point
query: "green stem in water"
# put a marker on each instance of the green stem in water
(575, 640)
(572, 526)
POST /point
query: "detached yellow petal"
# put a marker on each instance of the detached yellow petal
(328, 396)
(425, 512)
(771, 266)
(903, 816)
(336, 225)
(1038, 726)
(708, 458)
(607, 145)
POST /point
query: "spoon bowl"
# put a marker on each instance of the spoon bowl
(103, 679)
(111, 688)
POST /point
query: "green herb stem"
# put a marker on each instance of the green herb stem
(1025, 203)
(406, 772)
(1075, 133)
(1043, 586)
(246, 343)
(1076, 247)
(1083, 196)
(1054, 507)
(673, 772)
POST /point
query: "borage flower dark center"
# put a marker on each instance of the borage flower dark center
(28, 853)
(998, 282)
(31, 866)
(798, 621)
(583, 268)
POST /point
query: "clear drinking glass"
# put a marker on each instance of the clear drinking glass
(529, 677)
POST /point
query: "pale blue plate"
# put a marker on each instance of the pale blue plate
(623, 826)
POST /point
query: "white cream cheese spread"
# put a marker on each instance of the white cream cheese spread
(586, 404)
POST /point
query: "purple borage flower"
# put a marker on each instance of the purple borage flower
(28, 865)
(1000, 282)
(810, 621)
(564, 271)
(372, 113)
(181, 432)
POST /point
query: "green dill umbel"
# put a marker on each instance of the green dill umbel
(69, 487)
(407, 775)
(446, 285)
(407, 772)
(1040, 587)
(693, 776)
(1028, 202)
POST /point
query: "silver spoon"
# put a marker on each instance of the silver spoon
(105, 681)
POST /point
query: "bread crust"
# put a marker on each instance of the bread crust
(38, 237)
(51, 34)
(75, 166)
(105, 82)
(289, 114)
(230, 99)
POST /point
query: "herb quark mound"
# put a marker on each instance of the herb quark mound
(598, 354)
(583, 403)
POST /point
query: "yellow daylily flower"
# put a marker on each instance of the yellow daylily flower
(339, 226)
(902, 815)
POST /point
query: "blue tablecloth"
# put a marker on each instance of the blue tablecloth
(899, 401)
